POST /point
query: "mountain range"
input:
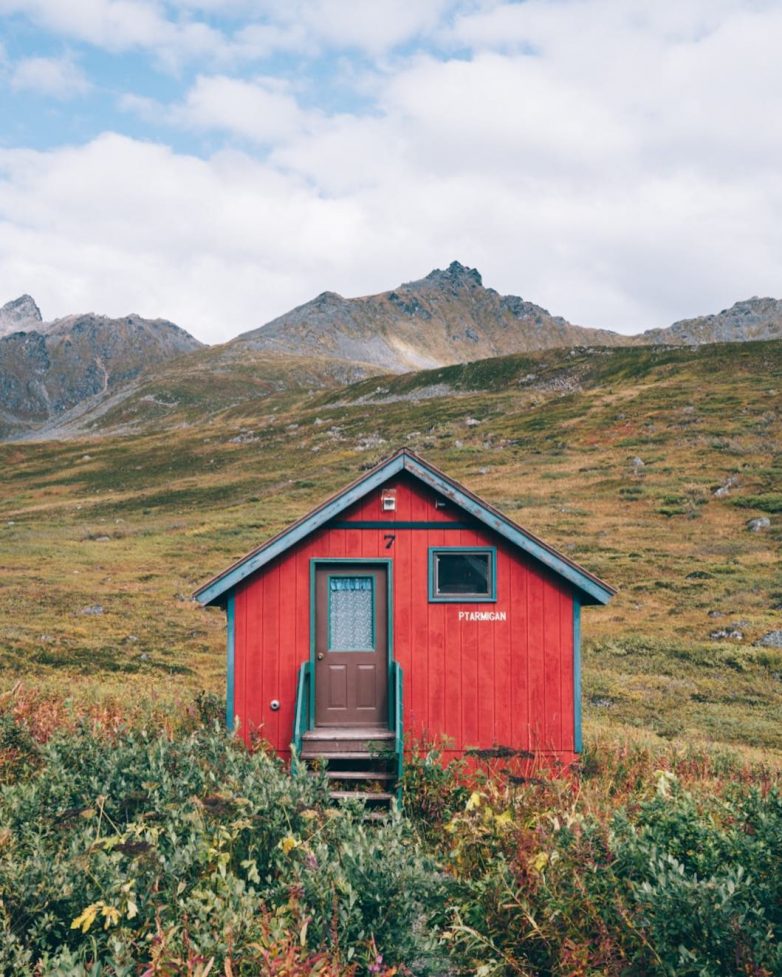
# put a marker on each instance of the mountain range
(58, 378)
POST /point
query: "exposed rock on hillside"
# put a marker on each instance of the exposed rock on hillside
(46, 371)
(753, 318)
(446, 317)
(21, 313)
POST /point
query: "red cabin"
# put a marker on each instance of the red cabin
(405, 605)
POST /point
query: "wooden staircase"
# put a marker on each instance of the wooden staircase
(360, 763)
(364, 763)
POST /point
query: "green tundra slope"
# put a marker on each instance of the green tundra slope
(643, 463)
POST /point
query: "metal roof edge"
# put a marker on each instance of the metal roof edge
(592, 589)
(211, 592)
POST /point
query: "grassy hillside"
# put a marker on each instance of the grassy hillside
(612, 455)
(196, 387)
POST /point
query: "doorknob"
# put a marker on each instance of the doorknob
(320, 656)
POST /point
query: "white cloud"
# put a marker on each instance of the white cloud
(615, 162)
(254, 41)
(120, 25)
(225, 244)
(179, 30)
(260, 110)
(374, 27)
(120, 225)
(58, 78)
(675, 77)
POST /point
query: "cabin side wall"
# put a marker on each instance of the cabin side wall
(482, 683)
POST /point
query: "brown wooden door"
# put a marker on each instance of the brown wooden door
(351, 645)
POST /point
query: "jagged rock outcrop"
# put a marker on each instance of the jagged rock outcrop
(751, 319)
(446, 317)
(46, 371)
(21, 313)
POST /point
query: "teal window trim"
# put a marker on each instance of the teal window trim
(337, 576)
(317, 561)
(435, 598)
(230, 655)
(577, 737)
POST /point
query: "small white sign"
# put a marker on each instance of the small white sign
(483, 615)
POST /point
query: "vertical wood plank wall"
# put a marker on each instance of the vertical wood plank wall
(481, 683)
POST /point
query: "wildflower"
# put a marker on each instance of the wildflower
(288, 843)
(474, 801)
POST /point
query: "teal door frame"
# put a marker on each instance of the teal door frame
(344, 562)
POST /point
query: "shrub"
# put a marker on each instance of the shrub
(674, 888)
(129, 851)
(432, 790)
(767, 502)
(119, 846)
(18, 749)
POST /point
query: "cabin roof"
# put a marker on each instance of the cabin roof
(592, 589)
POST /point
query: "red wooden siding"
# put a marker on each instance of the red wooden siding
(480, 683)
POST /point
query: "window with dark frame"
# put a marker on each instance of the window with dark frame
(462, 574)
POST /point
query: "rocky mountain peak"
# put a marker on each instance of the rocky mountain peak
(455, 274)
(328, 298)
(19, 314)
(749, 319)
(448, 316)
(48, 369)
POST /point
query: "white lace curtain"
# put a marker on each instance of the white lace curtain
(351, 614)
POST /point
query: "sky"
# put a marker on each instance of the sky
(218, 162)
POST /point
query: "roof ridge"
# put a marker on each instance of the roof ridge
(404, 459)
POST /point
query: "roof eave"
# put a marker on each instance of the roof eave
(591, 589)
(212, 591)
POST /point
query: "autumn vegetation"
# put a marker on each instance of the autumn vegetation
(168, 850)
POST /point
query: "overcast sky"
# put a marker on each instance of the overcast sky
(217, 162)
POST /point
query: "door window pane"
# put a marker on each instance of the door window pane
(351, 614)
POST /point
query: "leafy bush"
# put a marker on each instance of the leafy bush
(675, 888)
(146, 849)
(767, 502)
(18, 749)
(432, 790)
(128, 851)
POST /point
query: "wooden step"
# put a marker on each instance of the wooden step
(360, 795)
(360, 775)
(354, 752)
(339, 755)
(356, 759)
(319, 742)
(348, 733)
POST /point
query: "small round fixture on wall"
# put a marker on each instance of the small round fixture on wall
(274, 705)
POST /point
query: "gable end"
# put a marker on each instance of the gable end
(590, 589)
